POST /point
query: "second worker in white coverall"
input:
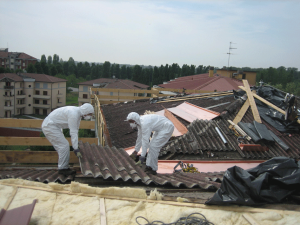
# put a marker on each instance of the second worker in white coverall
(163, 129)
(53, 125)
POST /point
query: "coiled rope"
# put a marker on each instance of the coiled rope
(189, 220)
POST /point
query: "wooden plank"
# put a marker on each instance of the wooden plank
(250, 219)
(108, 97)
(181, 90)
(38, 141)
(252, 102)
(102, 212)
(10, 199)
(181, 204)
(265, 101)
(34, 123)
(39, 157)
(179, 126)
(198, 97)
(241, 113)
(124, 90)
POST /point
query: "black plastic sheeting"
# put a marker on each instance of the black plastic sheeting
(269, 182)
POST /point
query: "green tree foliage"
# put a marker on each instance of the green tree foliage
(30, 68)
(106, 69)
(49, 60)
(38, 67)
(123, 74)
(55, 59)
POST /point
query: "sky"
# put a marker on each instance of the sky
(262, 33)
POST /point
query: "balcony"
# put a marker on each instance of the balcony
(86, 100)
(8, 96)
(18, 106)
(41, 106)
(59, 95)
(8, 87)
(21, 96)
(42, 96)
(8, 107)
(18, 63)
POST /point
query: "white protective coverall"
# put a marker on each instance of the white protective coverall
(63, 118)
(163, 128)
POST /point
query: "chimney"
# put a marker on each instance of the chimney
(211, 71)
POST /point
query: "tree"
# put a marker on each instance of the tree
(123, 72)
(71, 66)
(59, 68)
(155, 75)
(55, 59)
(199, 69)
(31, 68)
(43, 59)
(137, 73)
(53, 70)
(106, 69)
(38, 68)
(49, 60)
(192, 70)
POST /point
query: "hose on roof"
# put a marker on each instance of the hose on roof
(181, 221)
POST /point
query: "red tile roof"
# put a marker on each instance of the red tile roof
(12, 76)
(43, 78)
(204, 82)
(21, 55)
(116, 83)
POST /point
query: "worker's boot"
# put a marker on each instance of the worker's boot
(148, 169)
(67, 172)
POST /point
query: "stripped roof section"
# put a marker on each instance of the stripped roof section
(113, 163)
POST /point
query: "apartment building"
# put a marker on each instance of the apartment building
(29, 93)
(108, 83)
(15, 60)
(239, 75)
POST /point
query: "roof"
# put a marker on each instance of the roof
(202, 142)
(38, 77)
(42, 175)
(20, 55)
(115, 83)
(44, 78)
(122, 136)
(204, 82)
(113, 163)
(12, 76)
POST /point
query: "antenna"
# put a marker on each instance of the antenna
(229, 53)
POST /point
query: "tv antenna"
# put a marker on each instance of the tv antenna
(229, 52)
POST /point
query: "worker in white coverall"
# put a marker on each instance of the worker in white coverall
(163, 130)
(53, 125)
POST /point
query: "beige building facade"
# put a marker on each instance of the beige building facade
(239, 75)
(30, 94)
(111, 93)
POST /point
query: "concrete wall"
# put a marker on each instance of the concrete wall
(250, 76)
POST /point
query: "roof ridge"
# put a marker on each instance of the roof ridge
(207, 83)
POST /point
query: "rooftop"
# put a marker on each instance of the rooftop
(115, 83)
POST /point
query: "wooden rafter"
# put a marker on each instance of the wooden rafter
(32, 123)
(38, 141)
(252, 102)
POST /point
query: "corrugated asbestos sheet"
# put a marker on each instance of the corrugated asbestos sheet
(113, 163)
(202, 138)
(44, 176)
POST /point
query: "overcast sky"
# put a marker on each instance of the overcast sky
(266, 33)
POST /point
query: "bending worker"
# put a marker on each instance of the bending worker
(63, 118)
(146, 124)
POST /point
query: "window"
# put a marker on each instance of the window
(45, 85)
(85, 88)
(29, 85)
(85, 96)
(37, 85)
(29, 104)
(23, 64)
(45, 93)
(18, 92)
(44, 111)
(29, 96)
(58, 92)
(58, 84)
(7, 83)
(111, 93)
(6, 93)
(37, 111)
(37, 92)
(36, 101)
(44, 102)
(18, 102)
